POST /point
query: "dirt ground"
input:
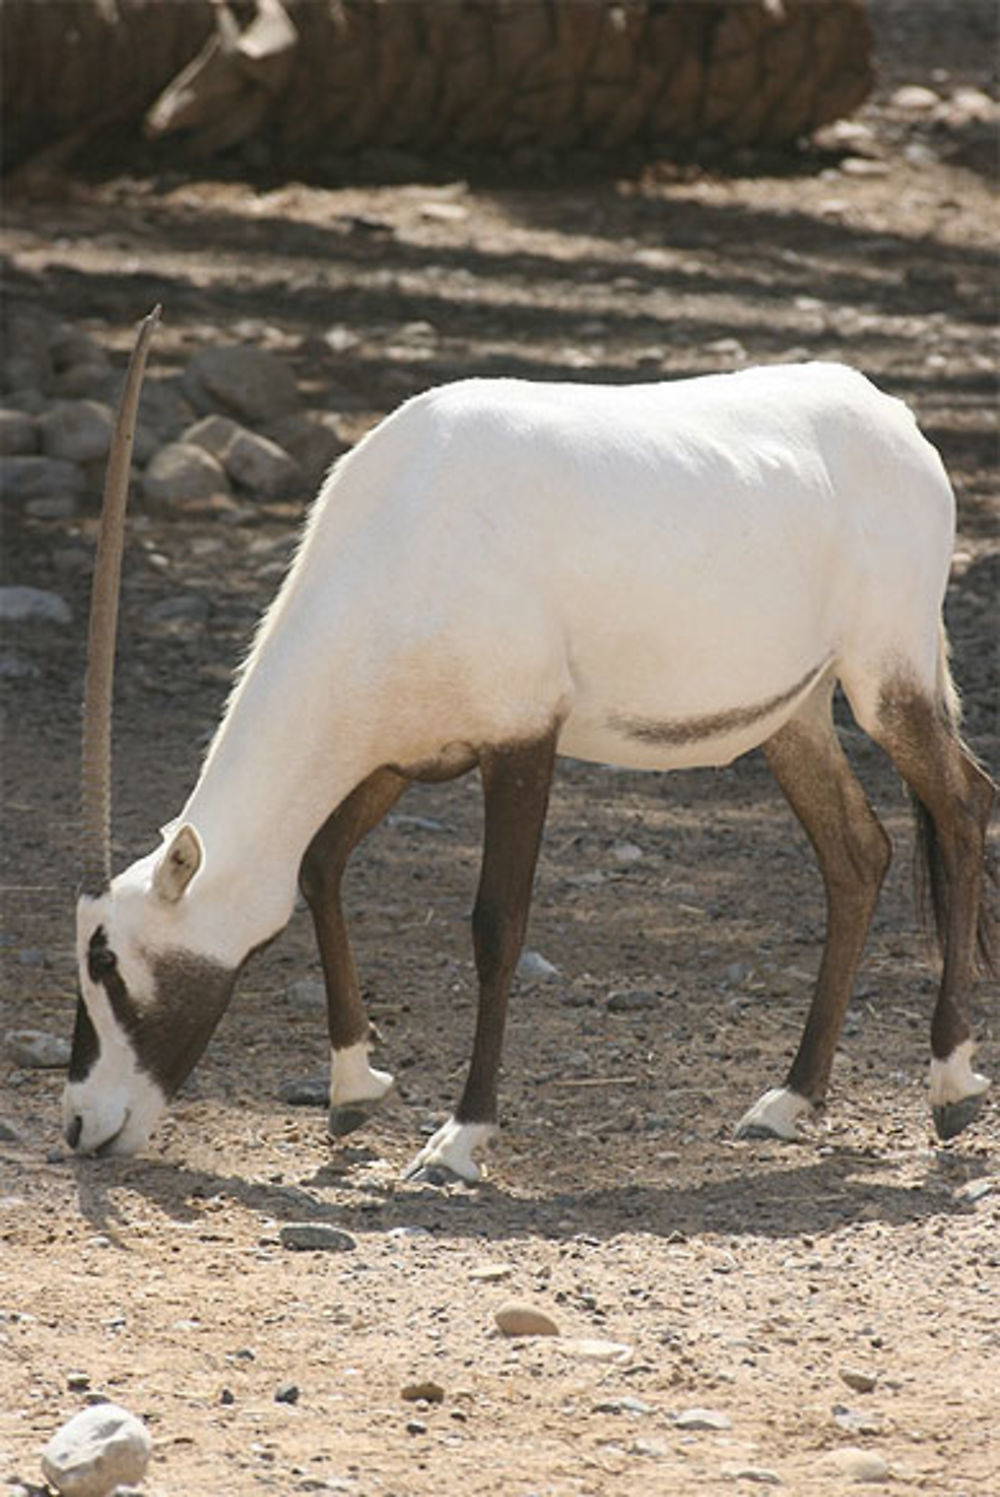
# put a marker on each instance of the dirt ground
(744, 1278)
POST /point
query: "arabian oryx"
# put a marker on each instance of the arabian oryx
(655, 576)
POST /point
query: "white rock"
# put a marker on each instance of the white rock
(77, 430)
(182, 471)
(101, 1448)
(22, 604)
(37, 1051)
(248, 383)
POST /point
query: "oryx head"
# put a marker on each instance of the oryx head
(147, 1002)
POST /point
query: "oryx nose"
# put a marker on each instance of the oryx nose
(73, 1130)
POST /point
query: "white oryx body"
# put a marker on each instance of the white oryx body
(656, 576)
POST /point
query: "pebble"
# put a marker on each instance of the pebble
(33, 604)
(855, 1464)
(859, 1379)
(286, 1393)
(425, 1391)
(317, 1237)
(762, 1475)
(36, 1050)
(524, 1320)
(306, 992)
(914, 98)
(625, 1405)
(631, 1000)
(99, 1449)
(306, 1091)
(533, 967)
(490, 1273)
(699, 1418)
(594, 1349)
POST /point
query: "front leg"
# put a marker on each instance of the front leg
(516, 785)
(356, 1089)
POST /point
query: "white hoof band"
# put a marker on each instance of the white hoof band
(953, 1080)
(352, 1079)
(775, 1115)
(449, 1153)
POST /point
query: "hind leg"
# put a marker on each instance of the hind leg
(955, 798)
(853, 854)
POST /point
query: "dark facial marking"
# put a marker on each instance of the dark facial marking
(85, 1049)
(712, 725)
(170, 1034)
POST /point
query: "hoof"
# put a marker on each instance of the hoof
(446, 1159)
(951, 1117)
(349, 1116)
(775, 1115)
(438, 1175)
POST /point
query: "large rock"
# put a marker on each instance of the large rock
(183, 471)
(23, 479)
(248, 383)
(32, 604)
(99, 1449)
(254, 463)
(77, 430)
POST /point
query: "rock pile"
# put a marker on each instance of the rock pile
(230, 427)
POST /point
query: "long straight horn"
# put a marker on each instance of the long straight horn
(95, 779)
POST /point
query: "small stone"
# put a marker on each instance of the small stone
(632, 1000)
(37, 1051)
(490, 1273)
(524, 1320)
(914, 98)
(77, 1382)
(214, 433)
(699, 1418)
(306, 993)
(626, 1405)
(533, 967)
(8, 1133)
(100, 1448)
(416, 1427)
(426, 1391)
(762, 1475)
(855, 1464)
(286, 1393)
(854, 1422)
(316, 1237)
(21, 604)
(859, 1379)
(305, 1091)
(626, 853)
(180, 609)
(594, 1349)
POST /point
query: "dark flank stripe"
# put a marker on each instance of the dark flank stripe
(712, 725)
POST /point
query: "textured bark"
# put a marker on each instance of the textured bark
(427, 75)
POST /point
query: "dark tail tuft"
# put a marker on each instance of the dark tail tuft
(932, 889)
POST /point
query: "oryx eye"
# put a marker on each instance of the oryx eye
(101, 960)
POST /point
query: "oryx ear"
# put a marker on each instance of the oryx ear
(180, 862)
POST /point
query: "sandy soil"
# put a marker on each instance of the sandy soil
(741, 1278)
